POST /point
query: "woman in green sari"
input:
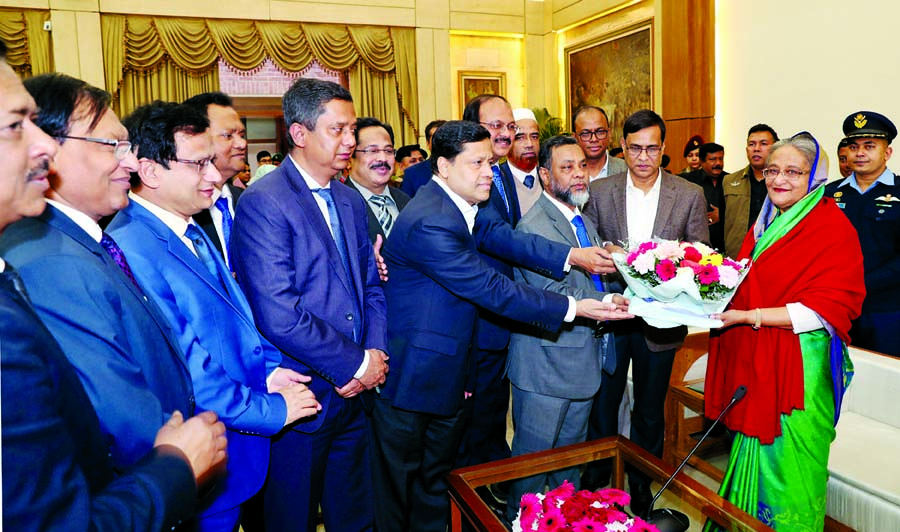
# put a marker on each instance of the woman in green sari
(784, 338)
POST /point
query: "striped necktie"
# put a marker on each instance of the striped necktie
(381, 202)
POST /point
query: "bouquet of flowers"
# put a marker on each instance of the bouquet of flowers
(566, 510)
(678, 283)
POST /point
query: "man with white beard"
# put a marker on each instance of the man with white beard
(556, 374)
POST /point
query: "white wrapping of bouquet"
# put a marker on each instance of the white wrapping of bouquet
(672, 303)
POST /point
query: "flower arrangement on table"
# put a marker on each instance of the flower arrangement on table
(674, 283)
(566, 510)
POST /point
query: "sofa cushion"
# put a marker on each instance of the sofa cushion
(874, 388)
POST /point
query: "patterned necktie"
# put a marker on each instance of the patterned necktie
(203, 252)
(107, 243)
(381, 202)
(11, 277)
(227, 224)
(498, 182)
(529, 181)
(337, 234)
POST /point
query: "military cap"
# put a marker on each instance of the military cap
(692, 144)
(869, 125)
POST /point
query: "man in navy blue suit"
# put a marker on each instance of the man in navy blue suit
(80, 282)
(438, 284)
(57, 473)
(303, 256)
(235, 371)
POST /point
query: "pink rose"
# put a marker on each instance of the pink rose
(691, 254)
(665, 270)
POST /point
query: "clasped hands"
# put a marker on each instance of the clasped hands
(376, 373)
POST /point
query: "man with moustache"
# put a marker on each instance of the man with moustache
(591, 127)
(523, 158)
(555, 375)
(642, 203)
(372, 168)
(709, 177)
(80, 282)
(438, 284)
(235, 371)
(870, 198)
(303, 256)
(745, 190)
(230, 139)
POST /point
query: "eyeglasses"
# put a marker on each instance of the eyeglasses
(371, 152)
(790, 173)
(202, 165)
(635, 151)
(587, 134)
(121, 147)
(499, 126)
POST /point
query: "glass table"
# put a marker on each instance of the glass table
(467, 506)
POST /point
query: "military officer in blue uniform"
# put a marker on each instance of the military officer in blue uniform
(870, 197)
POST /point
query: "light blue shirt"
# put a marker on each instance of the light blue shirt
(887, 177)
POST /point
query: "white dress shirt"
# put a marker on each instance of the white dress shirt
(216, 215)
(81, 219)
(176, 223)
(604, 172)
(640, 209)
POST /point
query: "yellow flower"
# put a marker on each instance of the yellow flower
(715, 259)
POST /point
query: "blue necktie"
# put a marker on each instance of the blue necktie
(337, 234)
(11, 277)
(529, 181)
(227, 225)
(203, 252)
(498, 182)
(608, 343)
(585, 242)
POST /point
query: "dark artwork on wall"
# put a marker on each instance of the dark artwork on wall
(614, 73)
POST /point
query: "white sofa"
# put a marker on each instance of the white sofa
(864, 485)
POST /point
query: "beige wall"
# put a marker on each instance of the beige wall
(822, 62)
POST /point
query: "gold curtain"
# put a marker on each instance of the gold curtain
(28, 45)
(180, 56)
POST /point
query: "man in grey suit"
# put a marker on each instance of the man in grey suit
(591, 127)
(555, 374)
(372, 168)
(642, 203)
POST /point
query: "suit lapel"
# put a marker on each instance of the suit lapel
(310, 210)
(509, 183)
(559, 222)
(620, 206)
(342, 200)
(664, 206)
(65, 225)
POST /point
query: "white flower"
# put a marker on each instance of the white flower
(704, 249)
(668, 249)
(728, 276)
(684, 272)
(645, 262)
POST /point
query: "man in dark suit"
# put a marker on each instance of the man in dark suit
(642, 203)
(438, 283)
(302, 254)
(230, 139)
(372, 168)
(555, 375)
(416, 175)
(57, 473)
(235, 371)
(79, 279)
(709, 178)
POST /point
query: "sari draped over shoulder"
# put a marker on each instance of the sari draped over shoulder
(809, 254)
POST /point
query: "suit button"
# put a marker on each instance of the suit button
(349, 316)
(257, 350)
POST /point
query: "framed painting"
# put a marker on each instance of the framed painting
(615, 73)
(472, 84)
